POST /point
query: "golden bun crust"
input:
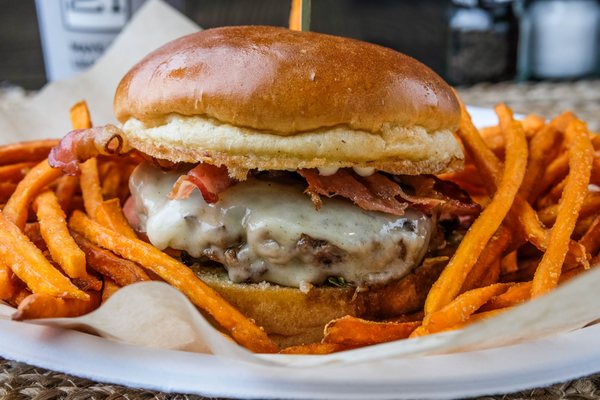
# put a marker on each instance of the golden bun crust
(291, 317)
(408, 151)
(285, 82)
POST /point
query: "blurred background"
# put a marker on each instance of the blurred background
(466, 41)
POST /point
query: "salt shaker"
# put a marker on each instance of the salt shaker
(560, 39)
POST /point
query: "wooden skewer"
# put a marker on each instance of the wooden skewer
(300, 15)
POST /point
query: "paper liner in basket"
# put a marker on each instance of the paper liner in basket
(155, 314)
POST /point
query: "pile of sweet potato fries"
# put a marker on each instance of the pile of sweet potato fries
(66, 246)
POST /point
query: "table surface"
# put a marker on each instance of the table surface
(21, 381)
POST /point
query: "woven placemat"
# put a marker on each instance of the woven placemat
(20, 381)
(544, 98)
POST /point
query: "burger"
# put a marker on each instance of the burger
(294, 172)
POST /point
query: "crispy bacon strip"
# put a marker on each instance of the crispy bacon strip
(82, 144)
(344, 184)
(383, 187)
(209, 179)
(377, 192)
(433, 192)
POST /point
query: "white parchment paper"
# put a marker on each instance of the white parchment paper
(157, 315)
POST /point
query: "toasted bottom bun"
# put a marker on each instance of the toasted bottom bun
(292, 317)
(397, 150)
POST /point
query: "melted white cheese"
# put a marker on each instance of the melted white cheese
(261, 222)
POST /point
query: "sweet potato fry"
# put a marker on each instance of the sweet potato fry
(90, 186)
(461, 308)
(111, 182)
(110, 215)
(6, 190)
(125, 171)
(595, 178)
(19, 296)
(85, 283)
(453, 277)
(591, 239)
(554, 195)
(590, 206)
(7, 286)
(478, 276)
(489, 166)
(532, 124)
(77, 203)
(15, 172)
(527, 218)
(65, 191)
(525, 272)
(581, 155)
(522, 211)
(30, 265)
(88, 283)
(420, 331)
(480, 316)
(595, 138)
(314, 348)
(554, 173)
(53, 227)
(509, 263)
(492, 136)
(172, 271)
(123, 272)
(582, 226)
(32, 231)
(540, 147)
(104, 167)
(537, 235)
(492, 275)
(515, 295)
(80, 116)
(567, 275)
(39, 305)
(33, 151)
(354, 332)
(412, 317)
(35, 181)
(109, 288)
(562, 121)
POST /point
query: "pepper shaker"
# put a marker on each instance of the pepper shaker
(482, 41)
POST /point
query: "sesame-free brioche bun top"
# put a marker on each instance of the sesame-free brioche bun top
(270, 98)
